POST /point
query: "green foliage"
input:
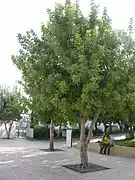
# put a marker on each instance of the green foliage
(78, 66)
(127, 143)
(41, 132)
(10, 104)
(75, 133)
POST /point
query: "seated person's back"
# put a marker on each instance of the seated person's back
(112, 141)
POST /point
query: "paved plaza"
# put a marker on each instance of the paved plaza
(23, 160)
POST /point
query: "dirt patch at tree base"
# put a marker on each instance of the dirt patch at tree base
(49, 150)
(91, 168)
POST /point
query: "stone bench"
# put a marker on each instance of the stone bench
(115, 150)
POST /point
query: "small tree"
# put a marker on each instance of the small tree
(10, 108)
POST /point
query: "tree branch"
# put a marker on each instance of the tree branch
(92, 126)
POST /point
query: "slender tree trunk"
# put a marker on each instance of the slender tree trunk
(120, 125)
(92, 126)
(51, 136)
(96, 129)
(5, 124)
(110, 128)
(18, 133)
(105, 128)
(83, 146)
(59, 132)
(84, 142)
(8, 131)
(79, 123)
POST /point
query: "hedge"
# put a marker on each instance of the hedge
(41, 132)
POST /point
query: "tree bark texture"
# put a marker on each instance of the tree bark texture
(83, 146)
(92, 126)
(110, 127)
(84, 142)
(51, 136)
(8, 131)
(60, 132)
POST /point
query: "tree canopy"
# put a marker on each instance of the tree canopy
(10, 104)
(78, 65)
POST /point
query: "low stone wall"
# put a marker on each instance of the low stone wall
(116, 150)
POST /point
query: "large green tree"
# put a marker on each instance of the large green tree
(77, 69)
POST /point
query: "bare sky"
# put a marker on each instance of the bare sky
(21, 15)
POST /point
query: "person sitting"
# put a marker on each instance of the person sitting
(111, 144)
(105, 143)
(112, 141)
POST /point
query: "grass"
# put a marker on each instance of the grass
(126, 143)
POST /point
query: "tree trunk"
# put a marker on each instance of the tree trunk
(18, 133)
(51, 136)
(8, 136)
(59, 132)
(84, 142)
(120, 125)
(83, 146)
(92, 126)
(105, 130)
(8, 131)
(84, 155)
(79, 123)
(96, 129)
(110, 128)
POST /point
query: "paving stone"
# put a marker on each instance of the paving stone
(29, 163)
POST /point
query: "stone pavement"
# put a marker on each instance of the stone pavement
(22, 160)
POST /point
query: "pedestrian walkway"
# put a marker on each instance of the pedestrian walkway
(30, 163)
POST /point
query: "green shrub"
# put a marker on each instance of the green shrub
(41, 132)
(75, 133)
